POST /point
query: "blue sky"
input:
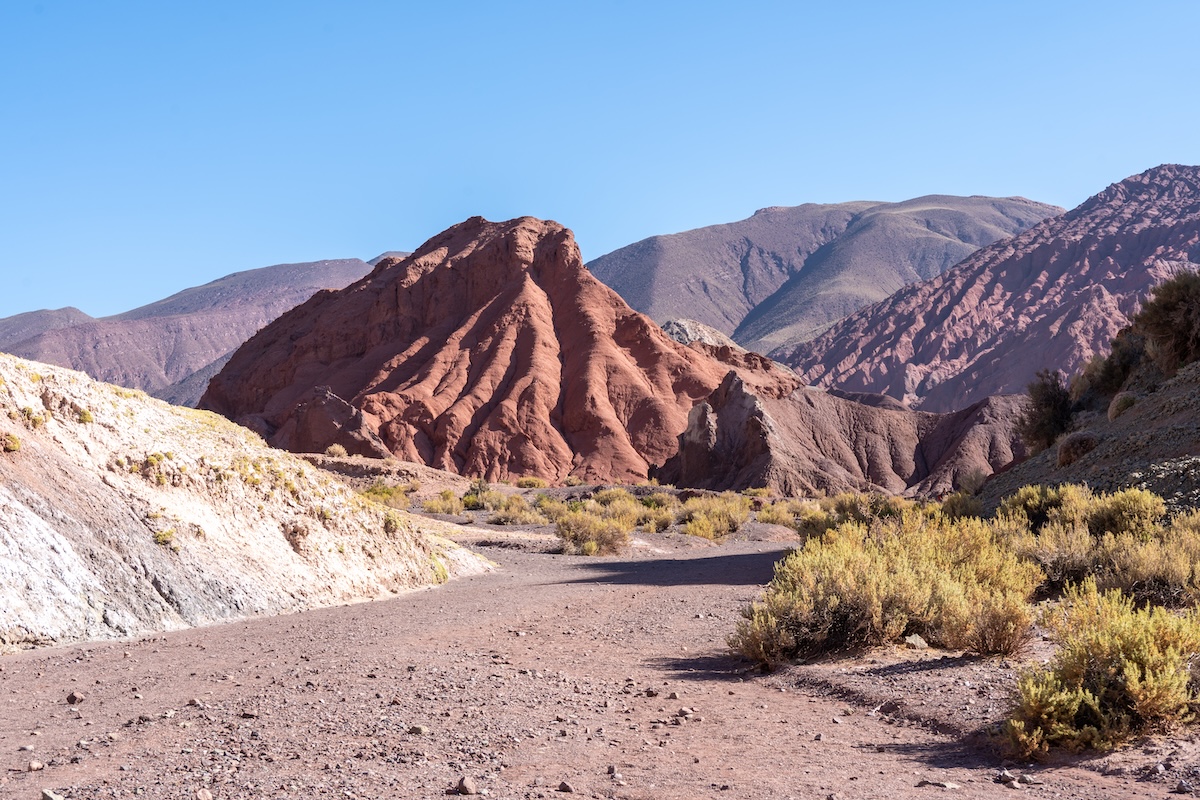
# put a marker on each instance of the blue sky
(151, 146)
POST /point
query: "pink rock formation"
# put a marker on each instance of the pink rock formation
(491, 351)
(1053, 296)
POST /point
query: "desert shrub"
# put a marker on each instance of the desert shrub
(657, 520)
(391, 496)
(607, 497)
(869, 584)
(714, 517)
(516, 511)
(86, 416)
(572, 480)
(1121, 402)
(758, 491)
(1075, 446)
(660, 500)
(971, 481)
(1119, 671)
(1047, 415)
(482, 497)
(530, 482)
(164, 538)
(1133, 511)
(779, 513)
(445, 503)
(962, 504)
(336, 451)
(1031, 504)
(1170, 321)
(12, 443)
(391, 522)
(549, 507)
(587, 534)
(1103, 376)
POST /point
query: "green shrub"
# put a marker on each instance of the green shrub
(606, 497)
(660, 500)
(86, 417)
(1121, 402)
(336, 451)
(1119, 671)
(550, 508)
(391, 496)
(714, 517)
(516, 511)
(530, 482)
(962, 504)
(164, 538)
(867, 585)
(759, 492)
(445, 503)
(1103, 376)
(481, 497)
(12, 444)
(657, 520)
(779, 513)
(1047, 415)
(1170, 321)
(587, 534)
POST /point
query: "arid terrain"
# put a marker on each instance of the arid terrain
(607, 675)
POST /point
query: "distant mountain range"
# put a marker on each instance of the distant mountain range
(786, 274)
(1053, 297)
(171, 347)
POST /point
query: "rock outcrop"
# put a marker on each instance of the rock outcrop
(1053, 296)
(171, 347)
(121, 515)
(785, 274)
(808, 441)
(491, 351)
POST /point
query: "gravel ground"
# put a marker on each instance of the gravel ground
(605, 676)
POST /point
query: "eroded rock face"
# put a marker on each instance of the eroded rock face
(809, 441)
(1051, 297)
(491, 351)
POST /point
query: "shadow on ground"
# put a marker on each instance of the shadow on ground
(740, 569)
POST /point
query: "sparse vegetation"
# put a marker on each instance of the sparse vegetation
(531, 482)
(516, 511)
(714, 517)
(12, 443)
(587, 534)
(393, 496)
(1048, 413)
(482, 497)
(1119, 671)
(951, 581)
(445, 503)
(1170, 321)
(1075, 446)
(336, 451)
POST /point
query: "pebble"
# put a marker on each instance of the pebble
(35, 766)
(419, 730)
(466, 786)
(48, 794)
(566, 787)
(75, 698)
(915, 642)
(939, 784)
(203, 794)
(1183, 787)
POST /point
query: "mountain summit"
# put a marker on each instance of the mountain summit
(491, 351)
(1052, 297)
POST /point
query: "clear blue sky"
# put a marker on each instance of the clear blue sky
(150, 146)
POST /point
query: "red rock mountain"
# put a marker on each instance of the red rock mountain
(808, 441)
(1053, 296)
(491, 351)
(787, 273)
(171, 347)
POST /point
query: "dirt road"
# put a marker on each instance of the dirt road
(605, 676)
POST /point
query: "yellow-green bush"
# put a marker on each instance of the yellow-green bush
(869, 584)
(962, 504)
(550, 508)
(336, 451)
(657, 520)
(587, 534)
(12, 443)
(1119, 671)
(481, 497)
(1134, 511)
(445, 503)
(391, 496)
(714, 517)
(530, 482)
(779, 513)
(516, 511)
(759, 492)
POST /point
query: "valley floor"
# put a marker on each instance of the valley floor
(549, 670)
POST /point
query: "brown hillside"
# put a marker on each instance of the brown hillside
(491, 351)
(785, 274)
(1053, 296)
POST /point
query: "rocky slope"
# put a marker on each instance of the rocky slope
(120, 515)
(1051, 297)
(1153, 444)
(808, 441)
(162, 347)
(785, 274)
(491, 351)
